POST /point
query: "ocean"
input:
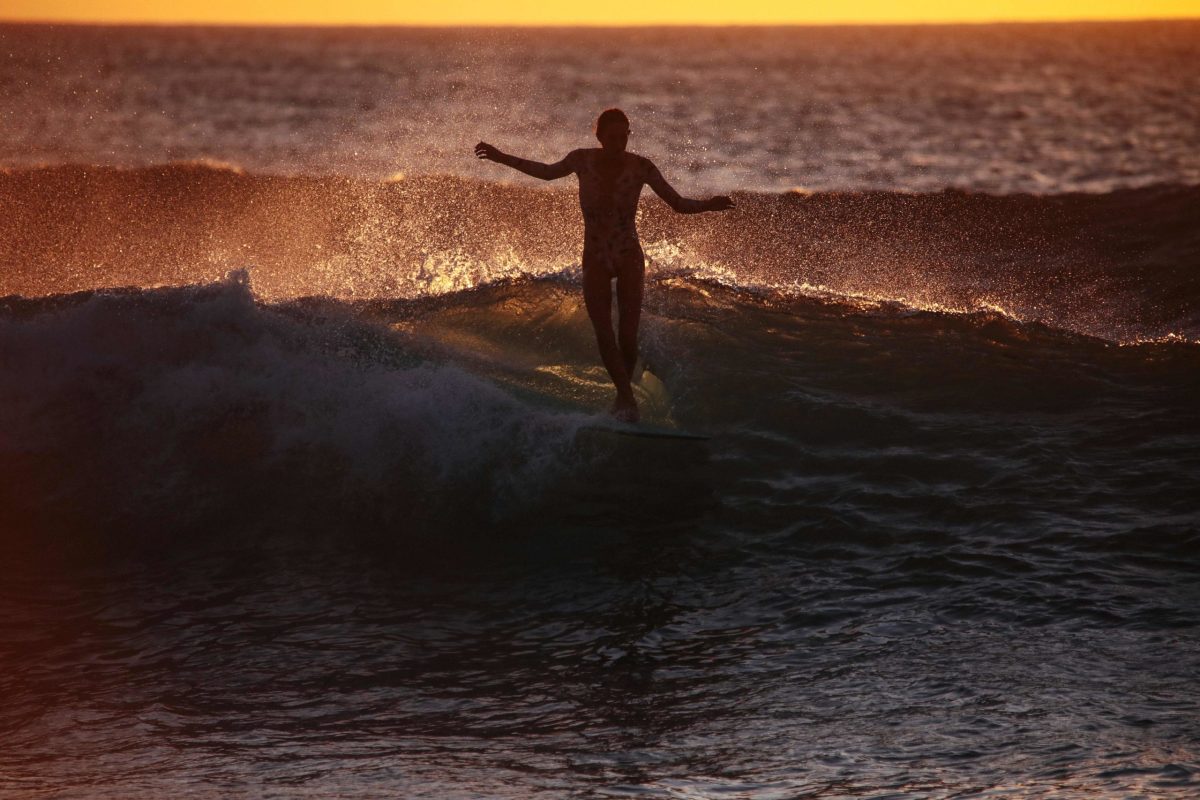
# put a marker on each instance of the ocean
(307, 488)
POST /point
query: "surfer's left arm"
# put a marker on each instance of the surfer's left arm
(535, 169)
(684, 205)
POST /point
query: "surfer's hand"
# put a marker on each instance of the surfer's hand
(487, 152)
(720, 203)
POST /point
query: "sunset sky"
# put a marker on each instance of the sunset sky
(606, 12)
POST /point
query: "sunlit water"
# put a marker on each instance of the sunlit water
(1081, 107)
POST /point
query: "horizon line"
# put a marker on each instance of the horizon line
(133, 23)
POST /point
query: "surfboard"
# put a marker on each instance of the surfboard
(570, 388)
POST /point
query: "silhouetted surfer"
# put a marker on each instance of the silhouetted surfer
(610, 181)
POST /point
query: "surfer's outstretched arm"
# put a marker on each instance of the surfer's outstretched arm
(536, 169)
(683, 205)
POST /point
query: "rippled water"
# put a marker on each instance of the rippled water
(685, 664)
(1071, 107)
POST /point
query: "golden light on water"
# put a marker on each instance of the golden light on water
(612, 12)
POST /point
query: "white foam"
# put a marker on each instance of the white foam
(166, 394)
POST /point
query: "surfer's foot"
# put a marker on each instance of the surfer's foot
(625, 409)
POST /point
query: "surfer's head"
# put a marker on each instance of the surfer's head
(612, 129)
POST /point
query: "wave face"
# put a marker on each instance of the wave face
(1119, 266)
(150, 394)
(182, 408)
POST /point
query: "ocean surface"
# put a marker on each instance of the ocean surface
(997, 108)
(306, 488)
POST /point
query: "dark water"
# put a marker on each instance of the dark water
(301, 487)
(280, 549)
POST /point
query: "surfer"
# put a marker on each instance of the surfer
(610, 182)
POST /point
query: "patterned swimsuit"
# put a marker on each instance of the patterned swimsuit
(609, 189)
(608, 197)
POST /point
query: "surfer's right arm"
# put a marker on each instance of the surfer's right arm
(536, 169)
(679, 203)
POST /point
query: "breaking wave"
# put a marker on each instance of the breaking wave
(1119, 266)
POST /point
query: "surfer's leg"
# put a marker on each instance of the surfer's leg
(597, 296)
(631, 280)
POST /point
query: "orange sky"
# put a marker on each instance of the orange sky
(598, 12)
